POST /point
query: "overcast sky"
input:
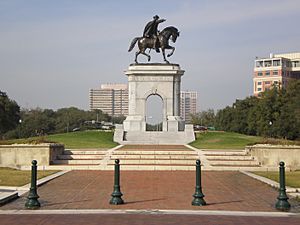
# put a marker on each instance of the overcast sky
(53, 52)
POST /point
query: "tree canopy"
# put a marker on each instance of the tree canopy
(9, 113)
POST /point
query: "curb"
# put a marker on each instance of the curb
(152, 212)
(290, 191)
(18, 191)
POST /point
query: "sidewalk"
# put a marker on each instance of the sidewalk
(230, 191)
(152, 197)
(9, 193)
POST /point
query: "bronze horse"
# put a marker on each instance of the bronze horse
(162, 43)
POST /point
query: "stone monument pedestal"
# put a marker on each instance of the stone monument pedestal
(154, 79)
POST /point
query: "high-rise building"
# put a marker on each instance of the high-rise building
(278, 69)
(188, 104)
(111, 99)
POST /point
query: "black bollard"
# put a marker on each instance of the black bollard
(282, 204)
(198, 196)
(32, 198)
(117, 195)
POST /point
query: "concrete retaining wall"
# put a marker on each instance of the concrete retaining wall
(271, 155)
(18, 155)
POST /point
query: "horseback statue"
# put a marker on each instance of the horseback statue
(153, 39)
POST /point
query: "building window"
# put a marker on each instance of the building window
(259, 64)
(276, 62)
(267, 82)
(259, 83)
(296, 63)
(259, 74)
(275, 72)
(267, 73)
(268, 63)
(258, 89)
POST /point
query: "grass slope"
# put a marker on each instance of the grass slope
(16, 178)
(80, 139)
(84, 139)
(292, 178)
(223, 140)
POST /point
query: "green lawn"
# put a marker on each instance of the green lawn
(223, 140)
(84, 139)
(292, 178)
(16, 178)
(79, 139)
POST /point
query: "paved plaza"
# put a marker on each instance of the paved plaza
(151, 197)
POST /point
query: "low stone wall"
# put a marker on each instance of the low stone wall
(271, 155)
(18, 155)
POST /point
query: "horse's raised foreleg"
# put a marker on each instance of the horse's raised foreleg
(136, 55)
(171, 53)
(164, 55)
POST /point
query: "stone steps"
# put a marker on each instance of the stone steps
(77, 162)
(84, 152)
(81, 156)
(154, 162)
(234, 163)
(154, 157)
(230, 157)
(148, 152)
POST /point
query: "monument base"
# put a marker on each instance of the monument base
(163, 81)
(154, 137)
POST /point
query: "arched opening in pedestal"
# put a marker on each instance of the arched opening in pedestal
(154, 113)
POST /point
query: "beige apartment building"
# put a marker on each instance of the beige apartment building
(188, 104)
(111, 99)
(278, 69)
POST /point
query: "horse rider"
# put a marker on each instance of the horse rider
(151, 31)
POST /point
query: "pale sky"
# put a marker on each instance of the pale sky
(53, 52)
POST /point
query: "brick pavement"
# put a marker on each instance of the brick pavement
(155, 190)
(138, 219)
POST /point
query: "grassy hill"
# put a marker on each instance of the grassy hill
(80, 139)
(84, 139)
(224, 140)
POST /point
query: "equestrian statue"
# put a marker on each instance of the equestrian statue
(153, 39)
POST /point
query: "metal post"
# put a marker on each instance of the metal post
(32, 198)
(116, 195)
(198, 196)
(282, 204)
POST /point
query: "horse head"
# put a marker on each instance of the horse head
(170, 31)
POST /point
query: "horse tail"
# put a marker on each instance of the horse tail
(133, 43)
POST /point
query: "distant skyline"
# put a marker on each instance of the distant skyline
(53, 52)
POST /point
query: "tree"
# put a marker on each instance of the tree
(37, 122)
(204, 118)
(9, 113)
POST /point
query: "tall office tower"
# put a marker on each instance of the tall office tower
(188, 104)
(111, 99)
(278, 69)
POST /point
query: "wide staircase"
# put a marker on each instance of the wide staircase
(230, 160)
(81, 157)
(155, 157)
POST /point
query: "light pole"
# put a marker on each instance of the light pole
(270, 129)
(20, 122)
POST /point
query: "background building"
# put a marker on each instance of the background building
(188, 104)
(278, 69)
(111, 99)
